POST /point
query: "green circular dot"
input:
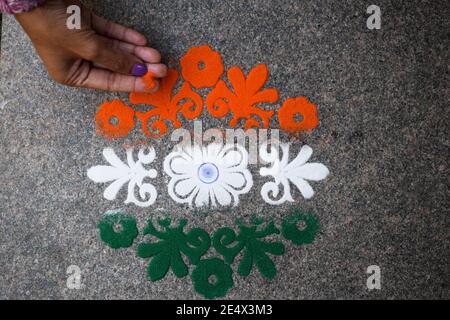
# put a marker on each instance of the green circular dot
(114, 237)
(290, 230)
(209, 269)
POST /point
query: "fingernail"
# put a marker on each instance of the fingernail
(156, 69)
(139, 70)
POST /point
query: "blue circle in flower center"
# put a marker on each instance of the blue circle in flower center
(208, 172)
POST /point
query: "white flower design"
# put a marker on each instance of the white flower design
(216, 174)
(297, 171)
(133, 172)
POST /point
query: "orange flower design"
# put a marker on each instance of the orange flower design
(114, 119)
(245, 98)
(298, 106)
(201, 66)
(167, 106)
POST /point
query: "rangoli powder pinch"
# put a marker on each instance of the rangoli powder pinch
(149, 80)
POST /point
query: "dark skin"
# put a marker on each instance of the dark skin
(100, 55)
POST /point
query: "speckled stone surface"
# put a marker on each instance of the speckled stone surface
(383, 102)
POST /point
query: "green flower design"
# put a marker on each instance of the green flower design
(166, 253)
(214, 267)
(117, 230)
(254, 250)
(290, 230)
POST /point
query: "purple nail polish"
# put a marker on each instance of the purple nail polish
(139, 70)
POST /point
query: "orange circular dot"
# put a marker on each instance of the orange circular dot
(291, 110)
(201, 66)
(114, 119)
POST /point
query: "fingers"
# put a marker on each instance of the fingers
(106, 80)
(116, 54)
(116, 31)
(125, 40)
(122, 57)
(82, 74)
(100, 50)
(158, 70)
(148, 55)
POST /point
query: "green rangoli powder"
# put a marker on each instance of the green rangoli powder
(255, 250)
(166, 253)
(290, 230)
(212, 288)
(212, 278)
(117, 230)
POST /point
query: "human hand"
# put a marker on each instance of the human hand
(101, 55)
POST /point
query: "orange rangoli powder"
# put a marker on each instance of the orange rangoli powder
(167, 105)
(149, 80)
(202, 67)
(114, 119)
(298, 106)
(247, 93)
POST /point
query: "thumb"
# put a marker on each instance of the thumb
(103, 52)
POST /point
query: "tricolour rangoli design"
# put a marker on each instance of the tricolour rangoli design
(298, 171)
(133, 172)
(216, 174)
(213, 175)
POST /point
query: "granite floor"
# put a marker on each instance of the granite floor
(383, 101)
